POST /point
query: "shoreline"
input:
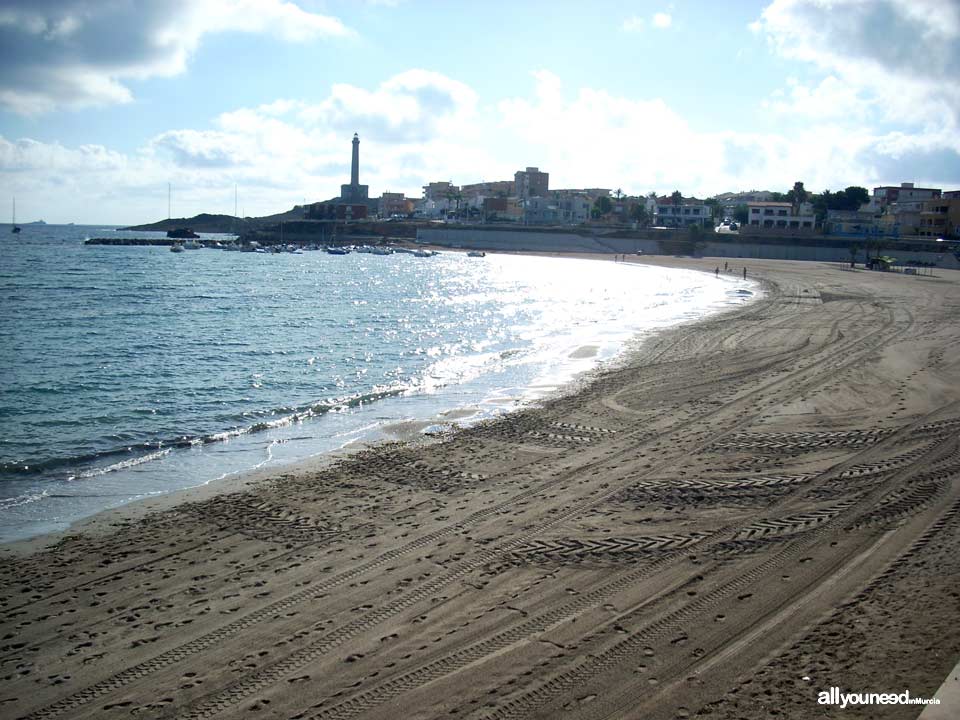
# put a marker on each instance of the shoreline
(404, 430)
(749, 509)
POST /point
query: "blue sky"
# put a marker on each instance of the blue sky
(102, 103)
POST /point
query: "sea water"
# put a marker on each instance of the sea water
(133, 371)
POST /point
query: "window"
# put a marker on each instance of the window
(754, 211)
(806, 223)
(768, 211)
(781, 212)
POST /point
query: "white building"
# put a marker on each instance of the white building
(687, 213)
(779, 216)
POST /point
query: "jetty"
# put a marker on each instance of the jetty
(130, 241)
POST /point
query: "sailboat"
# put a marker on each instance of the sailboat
(15, 228)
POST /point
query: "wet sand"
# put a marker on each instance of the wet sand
(745, 512)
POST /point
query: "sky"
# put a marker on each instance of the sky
(103, 103)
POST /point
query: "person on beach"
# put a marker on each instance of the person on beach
(725, 266)
(744, 273)
(717, 271)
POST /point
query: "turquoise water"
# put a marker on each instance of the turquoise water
(132, 371)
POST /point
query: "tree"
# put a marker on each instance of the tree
(454, 196)
(741, 213)
(716, 209)
(676, 198)
(618, 193)
(850, 199)
(639, 213)
(856, 196)
(603, 205)
(797, 196)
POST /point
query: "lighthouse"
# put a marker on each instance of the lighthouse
(354, 192)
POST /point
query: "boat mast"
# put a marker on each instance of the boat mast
(168, 201)
(14, 229)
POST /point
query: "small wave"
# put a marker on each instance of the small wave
(132, 462)
(156, 450)
(24, 499)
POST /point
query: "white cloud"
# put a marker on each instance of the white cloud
(415, 105)
(421, 126)
(602, 140)
(904, 55)
(662, 20)
(831, 99)
(633, 24)
(415, 125)
(56, 52)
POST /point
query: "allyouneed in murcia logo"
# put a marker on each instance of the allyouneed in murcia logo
(834, 696)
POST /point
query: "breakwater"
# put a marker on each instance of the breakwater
(130, 241)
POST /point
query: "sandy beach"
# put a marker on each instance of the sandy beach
(744, 512)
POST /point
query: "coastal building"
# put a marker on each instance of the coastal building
(492, 189)
(531, 183)
(864, 223)
(391, 204)
(940, 218)
(782, 216)
(494, 208)
(557, 209)
(689, 211)
(897, 221)
(336, 211)
(905, 195)
(440, 190)
(903, 208)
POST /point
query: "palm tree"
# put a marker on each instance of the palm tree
(799, 196)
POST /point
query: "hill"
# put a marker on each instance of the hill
(208, 223)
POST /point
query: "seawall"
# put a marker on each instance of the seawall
(708, 245)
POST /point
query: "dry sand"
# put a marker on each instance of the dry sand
(750, 510)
